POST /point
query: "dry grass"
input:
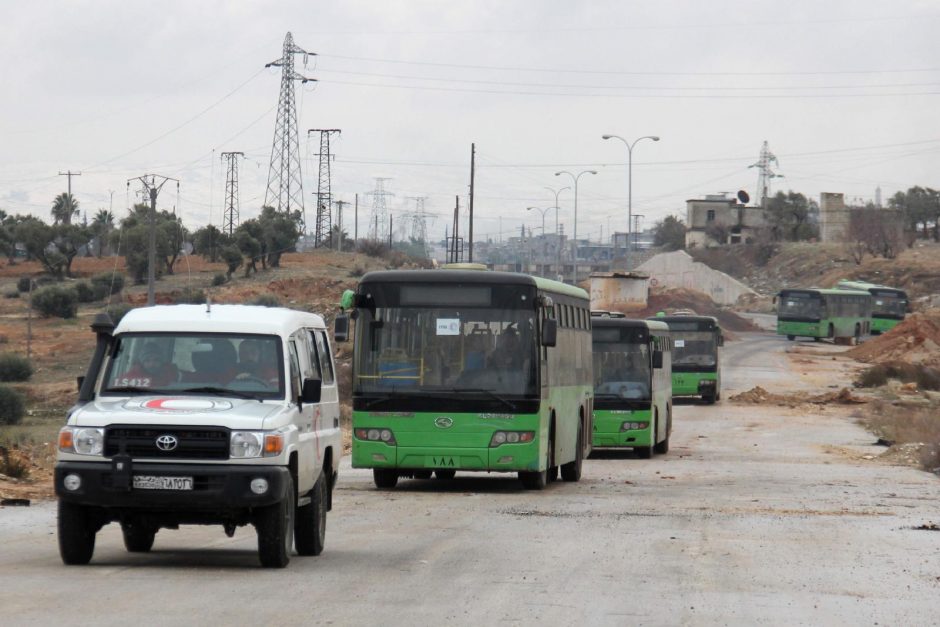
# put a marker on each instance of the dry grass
(904, 423)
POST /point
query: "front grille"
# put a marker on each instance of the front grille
(141, 442)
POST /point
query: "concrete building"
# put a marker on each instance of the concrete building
(678, 269)
(833, 217)
(706, 217)
(619, 291)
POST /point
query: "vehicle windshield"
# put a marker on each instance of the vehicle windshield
(799, 307)
(889, 305)
(622, 370)
(446, 350)
(698, 348)
(240, 365)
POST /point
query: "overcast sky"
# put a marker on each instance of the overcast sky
(845, 92)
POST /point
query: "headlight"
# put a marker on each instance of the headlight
(246, 444)
(86, 441)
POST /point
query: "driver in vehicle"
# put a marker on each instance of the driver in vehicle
(507, 352)
(252, 365)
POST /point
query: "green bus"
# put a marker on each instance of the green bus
(823, 313)
(473, 370)
(632, 384)
(696, 367)
(889, 304)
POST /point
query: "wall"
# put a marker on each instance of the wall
(619, 291)
(678, 269)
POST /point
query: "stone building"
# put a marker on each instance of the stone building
(714, 214)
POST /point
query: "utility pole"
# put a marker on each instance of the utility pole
(285, 184)
(153, 189)
(636, 228)
(473, 154)
(356, 218)
(380, 216)
(324, 225)
(389, 231)
(339, 206)
(765, 173)
(230, 214)
(70, 174)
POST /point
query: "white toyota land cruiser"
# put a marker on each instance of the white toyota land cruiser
(198, 414)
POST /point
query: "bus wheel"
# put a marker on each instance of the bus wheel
(539, 479)
(661, 448)
(646, 452)
(832, 332)
(385, 478)
(791, 337)
(858, 335)
(572, 470)
(445, 474)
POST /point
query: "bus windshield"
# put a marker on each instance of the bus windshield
(698, 348)
(889, 304)
(427, 351)
(799, 307)
(621, 370)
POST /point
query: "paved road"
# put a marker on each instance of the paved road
(752, 518)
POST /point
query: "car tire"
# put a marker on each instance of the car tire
(76, 531)
(310, 523)
(275, 527)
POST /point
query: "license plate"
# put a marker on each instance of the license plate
(149, 482)
(433, 461)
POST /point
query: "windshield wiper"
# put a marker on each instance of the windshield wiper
(489, 393)
(129, 388)
(209, 389)
(381, 399)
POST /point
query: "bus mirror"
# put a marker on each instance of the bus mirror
(721, 340)
(657, 359)
(774, 301)
(348, 300)
(549, 332)
(341, 328)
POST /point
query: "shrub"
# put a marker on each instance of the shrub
(14, 367)
(266, 300)
(106, 283)
(371, 247)
(925, 377)
(358, 271)
(12, 294)
(190, 296)
(56, 301)
(12, 406)
(118, 311)
(84, 292)
(218, 280)
(23, 284)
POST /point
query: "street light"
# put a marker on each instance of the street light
(543, 212)
(575, 178)
(557, 234)
(630, 146)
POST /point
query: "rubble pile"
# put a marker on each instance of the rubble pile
(759, 396)
(915, 341)
(669, 300)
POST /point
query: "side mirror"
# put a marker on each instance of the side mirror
(80, 380)
(774, 301)
(549, 332)
(341, 328)
(721, 340)
(311, 391)
(657, 359)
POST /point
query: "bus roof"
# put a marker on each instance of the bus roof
(685, 318)
(868, 287)
(652, 325)
(472, 276)
(823, 291)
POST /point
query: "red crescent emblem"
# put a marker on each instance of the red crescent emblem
(156, 403)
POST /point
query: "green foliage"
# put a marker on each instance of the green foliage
(925, 377)
(232, 258)
(64, 208)
(107, 283)
(55, 301)
(118, 311)
(208, 243)
(12, 406)
(84, 292)
(23, 284)
(371, 247)
(669, 233)
(789, 216)
(134, 239)
(14, 367)
(921, 208)
(190, 296)
(266, 300)
(219, 279)
(248, 239)
(53, 246)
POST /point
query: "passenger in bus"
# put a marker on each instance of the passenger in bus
(151, 370)
(508, 353)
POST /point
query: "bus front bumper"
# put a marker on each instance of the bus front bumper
(503, 458)
(609, 432)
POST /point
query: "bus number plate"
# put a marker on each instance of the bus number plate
(149, 482)
(440, 462)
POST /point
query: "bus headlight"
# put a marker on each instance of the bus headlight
(376, 434)
(511, 437)
(706, 382)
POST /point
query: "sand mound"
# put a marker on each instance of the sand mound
(671, 299)
(916, 340)
(760, 396)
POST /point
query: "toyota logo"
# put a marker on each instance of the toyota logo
(167, 442)
(444, 422)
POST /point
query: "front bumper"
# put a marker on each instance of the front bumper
(215, 487)
(503, 458)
